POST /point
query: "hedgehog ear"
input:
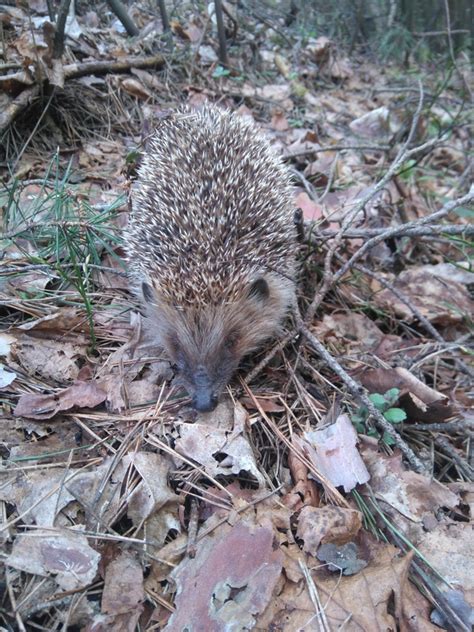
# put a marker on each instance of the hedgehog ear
(259, 289)
(147, 292)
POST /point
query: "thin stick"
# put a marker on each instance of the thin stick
(58, 46)
(403, 154)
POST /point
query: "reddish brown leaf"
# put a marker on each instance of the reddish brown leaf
(318, 525)
(79, 395)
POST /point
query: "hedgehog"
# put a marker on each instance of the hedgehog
(211, 244)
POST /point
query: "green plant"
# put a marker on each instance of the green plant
(56, 227)
(385, 404)
(220, 71)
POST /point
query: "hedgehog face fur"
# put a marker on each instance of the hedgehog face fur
(211, 244)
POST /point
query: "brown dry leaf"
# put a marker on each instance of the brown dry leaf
(338, 204)
(319, 170)
(123, 590)
(220, 444)
(51, 447)
(143, 392)
(29, 282)
(100, 490)
(373, 599)
(151, 81)
(448, 158)
(268, 405)
(420, 402)
(416, 610)
(411, 500)
(193, 33)
(107, 278)
(312, 211)
(153, 492)
(279, 122)
(440, 301)
(32, 45)
(65, 323)
(305, 491)
(373, 125)
(79, 395)
(276, 92)
(349, 331)
(135, 89)
(320, 49)
(66, 557)
(449, 548)
(38, 495)
(318, 525)
(55, 357)
(230, 581)
(301, 141)
(169, 557)
(333, 452)
(374, 596)
(341, 69)
(465, 489)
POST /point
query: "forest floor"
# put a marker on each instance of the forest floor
(331, 489)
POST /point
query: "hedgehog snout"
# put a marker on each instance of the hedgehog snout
(204, 397)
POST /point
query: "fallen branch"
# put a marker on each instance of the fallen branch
(404, 230)
(72, 71)
(395, 231)
(403, 154)
(318, 150)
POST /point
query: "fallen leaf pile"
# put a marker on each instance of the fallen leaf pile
(289, 507)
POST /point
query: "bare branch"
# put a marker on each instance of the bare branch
(121, 12)
(58, 47)
(393, 232)
(404, 230)
(223, 57)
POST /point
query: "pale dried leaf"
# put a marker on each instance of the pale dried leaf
(38, 495)
(440, 301)
(123, 585)
(373, 125)
(153, 492)
(67, 557)
(334, 453)
(311, 210)
(6, 377)
(412, 495)
(203, 442)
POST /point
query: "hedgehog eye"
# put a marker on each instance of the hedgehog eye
(231, 340)
(147, 292)
(259, 289)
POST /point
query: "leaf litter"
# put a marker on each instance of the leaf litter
(122, 510)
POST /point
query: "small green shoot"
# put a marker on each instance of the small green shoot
(219, 72)
(385, 404)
